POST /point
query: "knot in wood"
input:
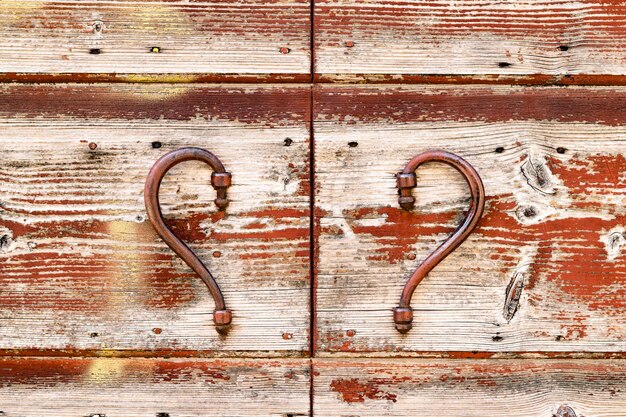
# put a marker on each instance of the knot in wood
(565, 411)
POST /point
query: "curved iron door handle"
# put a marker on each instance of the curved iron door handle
(406, 180)
(220, 180)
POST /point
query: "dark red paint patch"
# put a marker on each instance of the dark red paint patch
(354, 391)
(400, 230)
(602, 105)
(265, 106)
(51, 371)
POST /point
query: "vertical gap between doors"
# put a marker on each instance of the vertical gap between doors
(312, 242)
(312, 238)
(312, 41)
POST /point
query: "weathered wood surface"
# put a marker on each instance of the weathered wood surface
(389, 40)
(543, 272)
(469, 388)
(37, 387)
(237, 40)
(81, 267)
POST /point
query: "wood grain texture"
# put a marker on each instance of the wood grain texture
(391, 40)
(544, 270)
(251, 40)
(81, 267)
(463, 388)
(37, 387)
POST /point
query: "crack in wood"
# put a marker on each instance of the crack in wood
(513, 294)
(614, 242)
(515, 287)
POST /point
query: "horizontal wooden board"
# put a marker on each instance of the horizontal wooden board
(140, 40)
(36, 387)
(469, 388)
(552, 161)
(392, 40)
(81, 266)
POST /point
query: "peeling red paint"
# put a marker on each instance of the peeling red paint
(53, 371)
(480, 103)
(467, 79)
(570, 263)
(207, 372)
(400, 229)
(354, 391)
(80, 281)
(273, 106)
(592, 174)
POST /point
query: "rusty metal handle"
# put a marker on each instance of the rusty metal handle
(220, 180)
(407, 180)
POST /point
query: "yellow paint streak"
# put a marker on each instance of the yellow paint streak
(102, 370)
(13, 11)
(126, 256)
(163, 19)
(159, 78)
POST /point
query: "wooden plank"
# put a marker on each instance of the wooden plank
(81, 266)
(553, 167)
(36, 387)
(469, 388)
(519, 41)
(142, 40)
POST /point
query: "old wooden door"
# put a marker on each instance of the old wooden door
(313, 107)
(527, 317)
(98, 316)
